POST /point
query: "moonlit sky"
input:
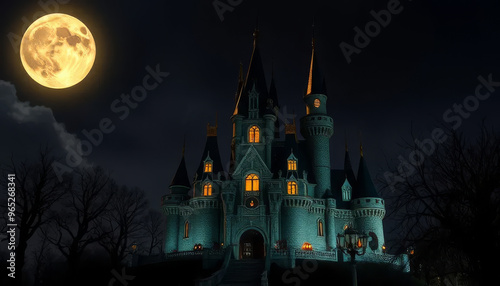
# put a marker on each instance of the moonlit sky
(425, 60)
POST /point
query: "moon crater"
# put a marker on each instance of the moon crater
(58, 51)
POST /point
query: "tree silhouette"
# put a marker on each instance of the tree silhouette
(446, 204)
(154, 228)
(37, 191)
(74, 226)
(122, 223)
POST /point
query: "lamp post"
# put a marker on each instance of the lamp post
(134, 255)
(352, 243)
(134, 247)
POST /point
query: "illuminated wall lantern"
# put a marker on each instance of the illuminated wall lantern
(307, 246)
(384, 249)
(198, 246)
(134, 247)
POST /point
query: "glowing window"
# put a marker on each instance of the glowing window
(186, 229)
(292, 165)
(207, 189)
(320, 228)
(317, 103)
(253, 134)
(208, 167)
(252, 183)
(292, 188)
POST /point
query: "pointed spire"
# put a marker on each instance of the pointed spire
(181, 177)
(366, 188)
(241, 81)
(315, 81)
(255, 78)
(255, 37)
(345, 134)
(361, 149)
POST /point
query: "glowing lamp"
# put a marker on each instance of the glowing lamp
(307, 246)
(411, 250)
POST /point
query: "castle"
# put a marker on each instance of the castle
(280, 199)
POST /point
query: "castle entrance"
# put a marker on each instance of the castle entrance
(252, 245)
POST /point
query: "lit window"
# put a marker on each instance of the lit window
(253, 134)
(208, 167)
(320, 228)
(292, 165)
(292, 188)
(186, 229)
(207, 189)
(252, 183)
(317, 103)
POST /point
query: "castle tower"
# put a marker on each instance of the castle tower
(178, 192)
(254, 117)
(317, 128)
(368, 208)
(205, 203)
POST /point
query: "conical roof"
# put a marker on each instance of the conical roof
(181, 177)
(255, 78)
(315, 81)
(365, 186)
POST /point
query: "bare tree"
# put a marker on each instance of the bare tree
(37, 191)
(41, 259)
(446, 202)
(122, 223)
(75, 225)
(153, 227)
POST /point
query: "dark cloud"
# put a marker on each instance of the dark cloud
(26, 128)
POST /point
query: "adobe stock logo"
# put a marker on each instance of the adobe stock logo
(362, 38)
(454, 116)
(221, 7)
(120, 107)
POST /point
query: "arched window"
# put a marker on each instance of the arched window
(317, 103)
(254, 134)
(320, 228)
(292, 165)
(186, 229)
(208, 167)
(207, 189)
(292, 188)
(252, 182)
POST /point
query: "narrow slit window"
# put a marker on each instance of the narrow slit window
(320, 228)
(292, 188)
(186, 229)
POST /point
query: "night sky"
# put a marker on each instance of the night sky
(427, 58)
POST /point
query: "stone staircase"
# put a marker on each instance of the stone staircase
(244, 272)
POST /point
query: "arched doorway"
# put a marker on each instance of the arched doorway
(252, 245)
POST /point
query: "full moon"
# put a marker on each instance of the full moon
(57, 51)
